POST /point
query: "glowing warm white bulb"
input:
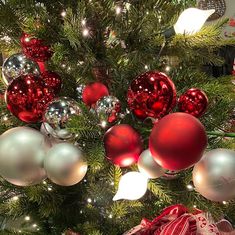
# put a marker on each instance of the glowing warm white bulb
(132, 186)
(118, 10)
(85, 32)
(63, 14)
(191, 20)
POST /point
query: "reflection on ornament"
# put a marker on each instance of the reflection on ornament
(191, 20)
(132, 186)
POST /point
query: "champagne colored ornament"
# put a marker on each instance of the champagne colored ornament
(194, 102)
(152, 95)
(108, 109)
(123, 145)
(132, 186)
(65, 164)
(149, 167)
(177, 141)
(57, 113)
(22, 152)
(214, 175)
(27, 98)
(52, 80)
(18, 65)
(93, 92)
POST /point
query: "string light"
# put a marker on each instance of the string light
(103, 124)
(190, 187)
(34, 225)
(89, 200)
(195, 206)
(146, 67)
(118, 10)
(27, 218)
(224, 202)
(168, 68)
(49, 188)
(63, 13)
(20, 231)
(85, 32)
(15, 198)
(110, 216)
(44, 182)
(83, 22)
(112, 183)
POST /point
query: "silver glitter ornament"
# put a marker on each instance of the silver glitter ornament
(18, 65)
(57, 114)
(65, 164)
(214, 175)
(108, 109)
(149, 167)
(79, 91)
(22, 152)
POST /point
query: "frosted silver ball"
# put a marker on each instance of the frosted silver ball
(57, 114)
(108, 109)
(65, 164)
(22, 152)
(18, 65)
(214, 175)
(148, 166)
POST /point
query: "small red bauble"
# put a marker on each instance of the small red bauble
(194, 102)
(52, 80)
(123, 145)
(93, 92)
(27, 98)
(178, 141)
(35, 48)
(151, 94)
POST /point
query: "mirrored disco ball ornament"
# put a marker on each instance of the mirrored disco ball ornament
(57, 114)
(108, 109)
(18, 65)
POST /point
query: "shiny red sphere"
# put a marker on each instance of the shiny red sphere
(123, 145)
(151, 94)
(194, 102)
(27, 97)
(35, 48)
(93, 92)
(52, 80)
(177, 141)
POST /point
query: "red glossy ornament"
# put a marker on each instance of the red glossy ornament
(27, 97)
(194, 102)
(93, 92)
(52, 80)
(123, 145)
(177, 141)
(151, 94)
(28, 40)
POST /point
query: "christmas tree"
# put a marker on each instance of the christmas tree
(73, 70)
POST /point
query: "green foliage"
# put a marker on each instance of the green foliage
(119, 46)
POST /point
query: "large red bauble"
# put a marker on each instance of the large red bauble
(52, 80)
(194, 101)
(151, 94)
(123, 145)
(93, 92)
(27, 97)
(177, 141)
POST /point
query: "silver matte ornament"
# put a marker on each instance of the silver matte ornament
(149, 167)
(108, 109)
(65, 164)
(214, 175)
(57, 114)
(22, 152)
(18, 65)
